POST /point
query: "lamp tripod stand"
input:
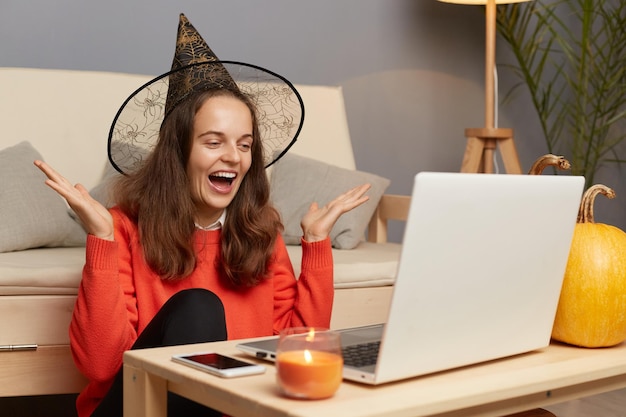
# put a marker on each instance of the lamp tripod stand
(482, 142)
(481, 146)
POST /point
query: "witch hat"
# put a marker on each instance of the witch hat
(195, 67)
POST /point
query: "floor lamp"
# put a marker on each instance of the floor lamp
(482, 142)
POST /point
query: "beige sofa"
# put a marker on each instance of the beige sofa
(65, 116)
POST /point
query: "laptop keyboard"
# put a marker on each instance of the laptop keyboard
(359, 355)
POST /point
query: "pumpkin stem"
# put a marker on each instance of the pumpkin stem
(585, 212)
(549, 160)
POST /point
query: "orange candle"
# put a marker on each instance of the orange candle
(309, 373)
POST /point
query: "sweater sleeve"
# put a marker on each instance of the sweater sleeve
(105, 315)
(307, 301)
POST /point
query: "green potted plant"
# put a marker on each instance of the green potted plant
(571, 56)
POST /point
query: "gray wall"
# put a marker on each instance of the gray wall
(412, 70)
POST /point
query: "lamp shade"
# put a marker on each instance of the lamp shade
(482, 1)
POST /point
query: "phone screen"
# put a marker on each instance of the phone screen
(216, 360)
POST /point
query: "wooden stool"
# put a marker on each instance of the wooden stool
(539, 412)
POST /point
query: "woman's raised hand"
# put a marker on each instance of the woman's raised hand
(318, 221)
(94, 216)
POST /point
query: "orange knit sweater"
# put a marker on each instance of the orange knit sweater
(119, 295)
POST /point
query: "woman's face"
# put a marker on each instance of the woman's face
(221, 154)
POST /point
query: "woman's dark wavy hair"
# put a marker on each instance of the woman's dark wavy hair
(157, 197)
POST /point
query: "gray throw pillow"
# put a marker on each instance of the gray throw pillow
(297, 181)
(102, 191)
(31, 214)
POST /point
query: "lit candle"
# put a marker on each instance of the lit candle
(309, 373)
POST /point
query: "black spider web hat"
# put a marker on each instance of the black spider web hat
(135, 128)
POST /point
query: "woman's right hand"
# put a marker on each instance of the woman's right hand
(95, 218)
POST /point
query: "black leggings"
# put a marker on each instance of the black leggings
(190, 316)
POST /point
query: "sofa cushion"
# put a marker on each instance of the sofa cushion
(41, 271)
(31, 214)
(58, 271)
(297, 181)
(368, 265)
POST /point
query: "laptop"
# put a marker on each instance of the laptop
(479, 275)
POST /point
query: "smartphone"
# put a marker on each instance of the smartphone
(220, 365)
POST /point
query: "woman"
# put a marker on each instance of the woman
(192, 251)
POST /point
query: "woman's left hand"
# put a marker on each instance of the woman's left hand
(319, 221)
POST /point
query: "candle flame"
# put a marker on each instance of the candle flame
(307, 356)
(311, 336)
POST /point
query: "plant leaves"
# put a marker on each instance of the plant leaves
(571, 56)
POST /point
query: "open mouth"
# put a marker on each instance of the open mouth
(222, 179)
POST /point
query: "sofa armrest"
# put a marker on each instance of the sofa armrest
(390, 207)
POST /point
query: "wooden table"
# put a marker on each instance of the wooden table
(555, 374)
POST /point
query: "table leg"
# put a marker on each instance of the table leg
(145, 395)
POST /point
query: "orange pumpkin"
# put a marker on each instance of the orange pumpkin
(592, 307)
